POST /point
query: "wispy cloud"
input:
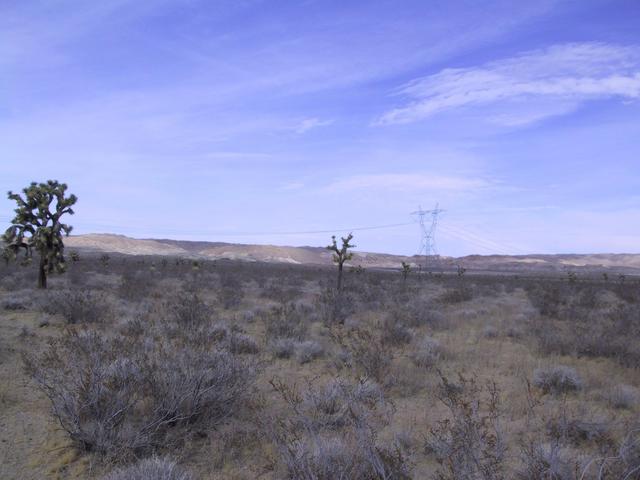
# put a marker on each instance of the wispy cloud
(310, 123)
(405, 182)
(236, 155)
(527, 114)
(292, 186)
(570, 74)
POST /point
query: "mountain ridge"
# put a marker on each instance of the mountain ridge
(309, 255)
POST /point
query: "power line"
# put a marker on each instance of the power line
(428, 245)
(481, 242)
(472, 241)
(309, 232)
(482, 237)
(253, 233)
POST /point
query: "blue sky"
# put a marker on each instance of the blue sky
(244, 121)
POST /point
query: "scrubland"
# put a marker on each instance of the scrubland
(150, 367)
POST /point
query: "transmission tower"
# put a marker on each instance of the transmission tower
(428, 234)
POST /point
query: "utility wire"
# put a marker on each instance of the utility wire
(264, 233)
(450, 230)
(479, 241)
(308, 232)
(484, 236)
(470, 241)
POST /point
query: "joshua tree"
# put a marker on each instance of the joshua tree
(37, 226)
(406, 269)
(104, 259)
(341, 255)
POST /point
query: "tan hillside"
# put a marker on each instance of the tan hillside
(121, 244)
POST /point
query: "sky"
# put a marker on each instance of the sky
(281, 122)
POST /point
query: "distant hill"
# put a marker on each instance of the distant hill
(105, 242)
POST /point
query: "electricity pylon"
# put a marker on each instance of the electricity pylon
(428, 235)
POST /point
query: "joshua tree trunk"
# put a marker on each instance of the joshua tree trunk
(42, 273)
(339, 276)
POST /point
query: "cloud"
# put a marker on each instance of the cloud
(570, 74)
(229, 155)
(407, 182)
(292, 186)
(309, 123)
(519, 115)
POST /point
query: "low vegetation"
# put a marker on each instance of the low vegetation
(150, 367)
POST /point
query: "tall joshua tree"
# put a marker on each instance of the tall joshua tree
(37, 226)
(341, 255)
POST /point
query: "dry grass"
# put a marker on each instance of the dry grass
(559, 403)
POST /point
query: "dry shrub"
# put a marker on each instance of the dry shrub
(120, 396)
(18, 278)
(419, 313)
(154, 468)
(592, 333)
(84, 306)
(280, 294)
(365, 352)
(331, 433)
(458, 294)
(133, 327)
(353, 455)
(557, 379)
(552, 461)
(305, 351)
(334, 404)
(242, 343)
(627, 292)
(549, 298)
(308, 351)
(626, 464)
(427, 352)
(394, 333)
(576, 425)
(370, 296)
(288, 320)
(18, 300)
(547, 461)
(490, 331)
(553, 339)
(283, 347)
(188, 310)
(135, 285)
(623, 397)
(232, 443)
(231, 292)
(576, 431)
(334, 306)
(468, 444)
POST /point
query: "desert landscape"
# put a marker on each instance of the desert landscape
(214, 369)
(319, 240)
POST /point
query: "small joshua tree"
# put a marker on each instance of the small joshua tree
(37, 226)
(406, 269)
(341, 255)
(104, 259)
(461, 271)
